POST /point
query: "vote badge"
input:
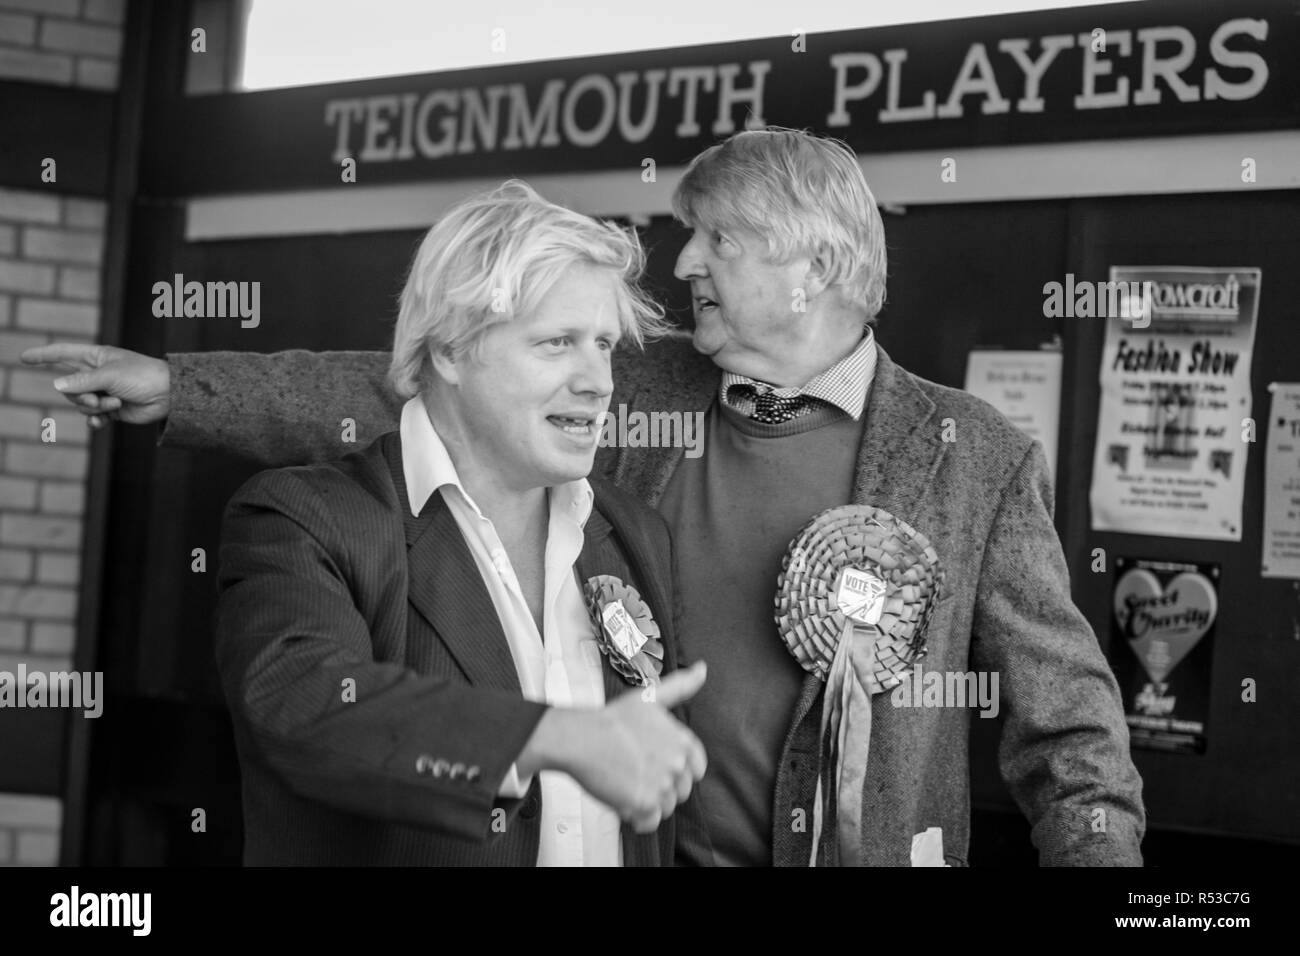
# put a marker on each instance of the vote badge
(621, 632)
(860, 595)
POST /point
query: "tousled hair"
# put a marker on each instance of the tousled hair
(805, 194)
(494, 257)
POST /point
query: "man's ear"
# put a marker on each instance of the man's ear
(817, 276)
(445, 364)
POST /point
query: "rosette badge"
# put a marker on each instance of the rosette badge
(858, 565)
(625, 630)
(853, 599)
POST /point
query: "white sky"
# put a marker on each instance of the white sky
(295, 42)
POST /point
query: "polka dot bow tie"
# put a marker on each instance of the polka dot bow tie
(770, 408)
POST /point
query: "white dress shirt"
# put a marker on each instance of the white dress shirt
(562, 666)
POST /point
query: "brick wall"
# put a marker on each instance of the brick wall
(51, 247)
(65, 42)
(29, 829)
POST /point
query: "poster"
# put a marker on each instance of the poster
(1164, 614)
(1175, 387)
(1282, 485)
(1025, 386)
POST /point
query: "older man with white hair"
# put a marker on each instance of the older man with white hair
(805, 411)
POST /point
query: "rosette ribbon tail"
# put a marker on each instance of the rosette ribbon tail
(853, 601)
(846, 739)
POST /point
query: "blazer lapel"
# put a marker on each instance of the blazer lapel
(600, 556)
(592, 561)
(901, 447)
(445, 588)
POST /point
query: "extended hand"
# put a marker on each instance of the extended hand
(632, 754)
(107, 382)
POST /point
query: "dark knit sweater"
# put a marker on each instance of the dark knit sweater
(733, 512)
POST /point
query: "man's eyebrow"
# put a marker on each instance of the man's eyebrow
(575, 331)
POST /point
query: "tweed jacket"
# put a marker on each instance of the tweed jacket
(984, 498)
(375, 700)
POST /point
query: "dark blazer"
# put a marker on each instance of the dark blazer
(984, 499)
(375, 700)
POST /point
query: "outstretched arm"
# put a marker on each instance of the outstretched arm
(280, 409)
(291, 407)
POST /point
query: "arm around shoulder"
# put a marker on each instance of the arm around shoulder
(283, 408)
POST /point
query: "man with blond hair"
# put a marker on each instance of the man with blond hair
(804, 411)
(404, 636)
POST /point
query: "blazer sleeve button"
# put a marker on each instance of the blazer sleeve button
(472, 773)
(424, 764)
(440, 767)
(457, 769)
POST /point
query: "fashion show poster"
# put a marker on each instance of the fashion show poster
(1170, 458)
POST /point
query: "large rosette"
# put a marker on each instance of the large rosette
(853, 599)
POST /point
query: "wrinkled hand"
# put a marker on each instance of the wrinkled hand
(107, 383)
(632, 754)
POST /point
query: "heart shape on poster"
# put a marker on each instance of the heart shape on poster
(1163, 624)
